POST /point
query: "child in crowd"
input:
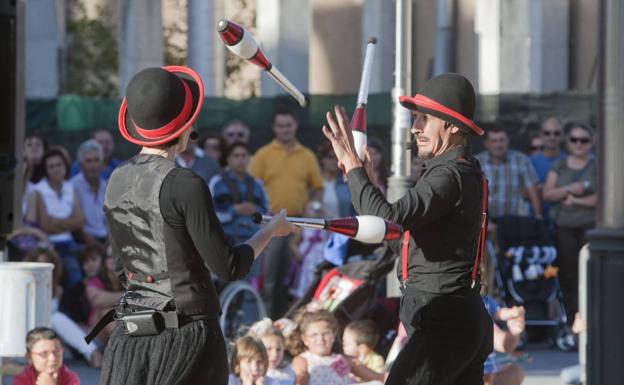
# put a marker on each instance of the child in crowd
(249, 362)
(359, 340)
(44, 353)
(280, 372)
(318, 364)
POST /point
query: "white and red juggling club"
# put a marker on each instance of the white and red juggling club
(238, 40)
(358, 122)
(363, 228)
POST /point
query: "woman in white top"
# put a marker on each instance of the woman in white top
(53, 207)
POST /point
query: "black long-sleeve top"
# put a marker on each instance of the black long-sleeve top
(443, 213)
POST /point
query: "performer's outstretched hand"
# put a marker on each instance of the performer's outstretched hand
(341, 138)
(281, 226)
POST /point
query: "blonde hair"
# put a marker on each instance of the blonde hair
(248, 347)
(303, 319)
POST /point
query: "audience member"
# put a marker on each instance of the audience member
(44, 352)
(103, 292)
(316, 363)
(551, 132)
(109, 162)
(54, 207)
(75, 303)
(536, 146)
(35, 146)
(359, 340)
(205, 167)
(336, 201)
(67, 329)
(381, 169)
(90, 187)
(508, 172)
(505, 341)
(290, 172)
(213, 146)
(235, 131)
(249, 362)
(279, 372)
(571, 189)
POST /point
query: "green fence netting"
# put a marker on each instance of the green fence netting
(70, 119)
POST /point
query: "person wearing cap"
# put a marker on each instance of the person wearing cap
(167, 243)
(445, 216)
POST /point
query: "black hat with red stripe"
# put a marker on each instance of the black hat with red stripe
(160, 105)
(449, 97)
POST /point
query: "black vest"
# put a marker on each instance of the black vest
(158, 268)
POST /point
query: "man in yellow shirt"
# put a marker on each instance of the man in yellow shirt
(292, 177)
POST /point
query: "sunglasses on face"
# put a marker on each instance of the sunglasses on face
(551, 133)
(583, 140)
(537, 148)
(235, 134)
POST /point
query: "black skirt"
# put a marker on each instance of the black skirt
(193, 354)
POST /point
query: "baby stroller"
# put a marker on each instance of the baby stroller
(350, 292)
(525, 275)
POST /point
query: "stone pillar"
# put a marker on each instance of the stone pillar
(378, 19)
(205, 48)
(283, 32)
(523, 45)
(141, 44)
(42, 50)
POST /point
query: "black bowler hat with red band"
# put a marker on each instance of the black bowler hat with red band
(449, 97)
(160, 105)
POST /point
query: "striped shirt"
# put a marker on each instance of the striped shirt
(505, 182)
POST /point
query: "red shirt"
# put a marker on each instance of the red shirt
(28, 376)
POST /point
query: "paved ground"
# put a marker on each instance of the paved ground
(542, 366)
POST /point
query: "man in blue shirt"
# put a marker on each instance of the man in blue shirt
(552, 133)
(105, 139)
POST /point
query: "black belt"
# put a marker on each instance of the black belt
(169, 320)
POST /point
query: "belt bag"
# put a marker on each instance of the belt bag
(144, 323)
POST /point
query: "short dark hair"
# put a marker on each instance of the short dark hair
(37, 334)
(229, 149)
(576, 124)
(493, 128)
(55, 151)
(281, 110)
(366, 332)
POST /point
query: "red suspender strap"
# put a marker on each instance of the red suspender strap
(406, 238)
(481, 242)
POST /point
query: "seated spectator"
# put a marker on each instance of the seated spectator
(505, 341)
(103, 292)
(54, 208)
(249, 362)
(235, 131)
(44, 352)
(90, 187)
(359, 340)
(213, 146)
(279, 370)
(508, 172)
(205, 167)
(571, 189)
(109, 162)
(35, 146)
(68, 330)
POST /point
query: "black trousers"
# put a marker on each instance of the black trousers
(451, 337)
(570, 240)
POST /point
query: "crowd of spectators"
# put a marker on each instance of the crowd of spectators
(554, 180)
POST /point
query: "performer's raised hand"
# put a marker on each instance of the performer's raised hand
(339, 134)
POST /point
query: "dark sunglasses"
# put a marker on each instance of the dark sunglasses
(537, 148)
(235, 134)
(551, 133)
(574, 139)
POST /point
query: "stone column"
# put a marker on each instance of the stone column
(205, 48)
(141, 44)
(283, 30)
(523, 45)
